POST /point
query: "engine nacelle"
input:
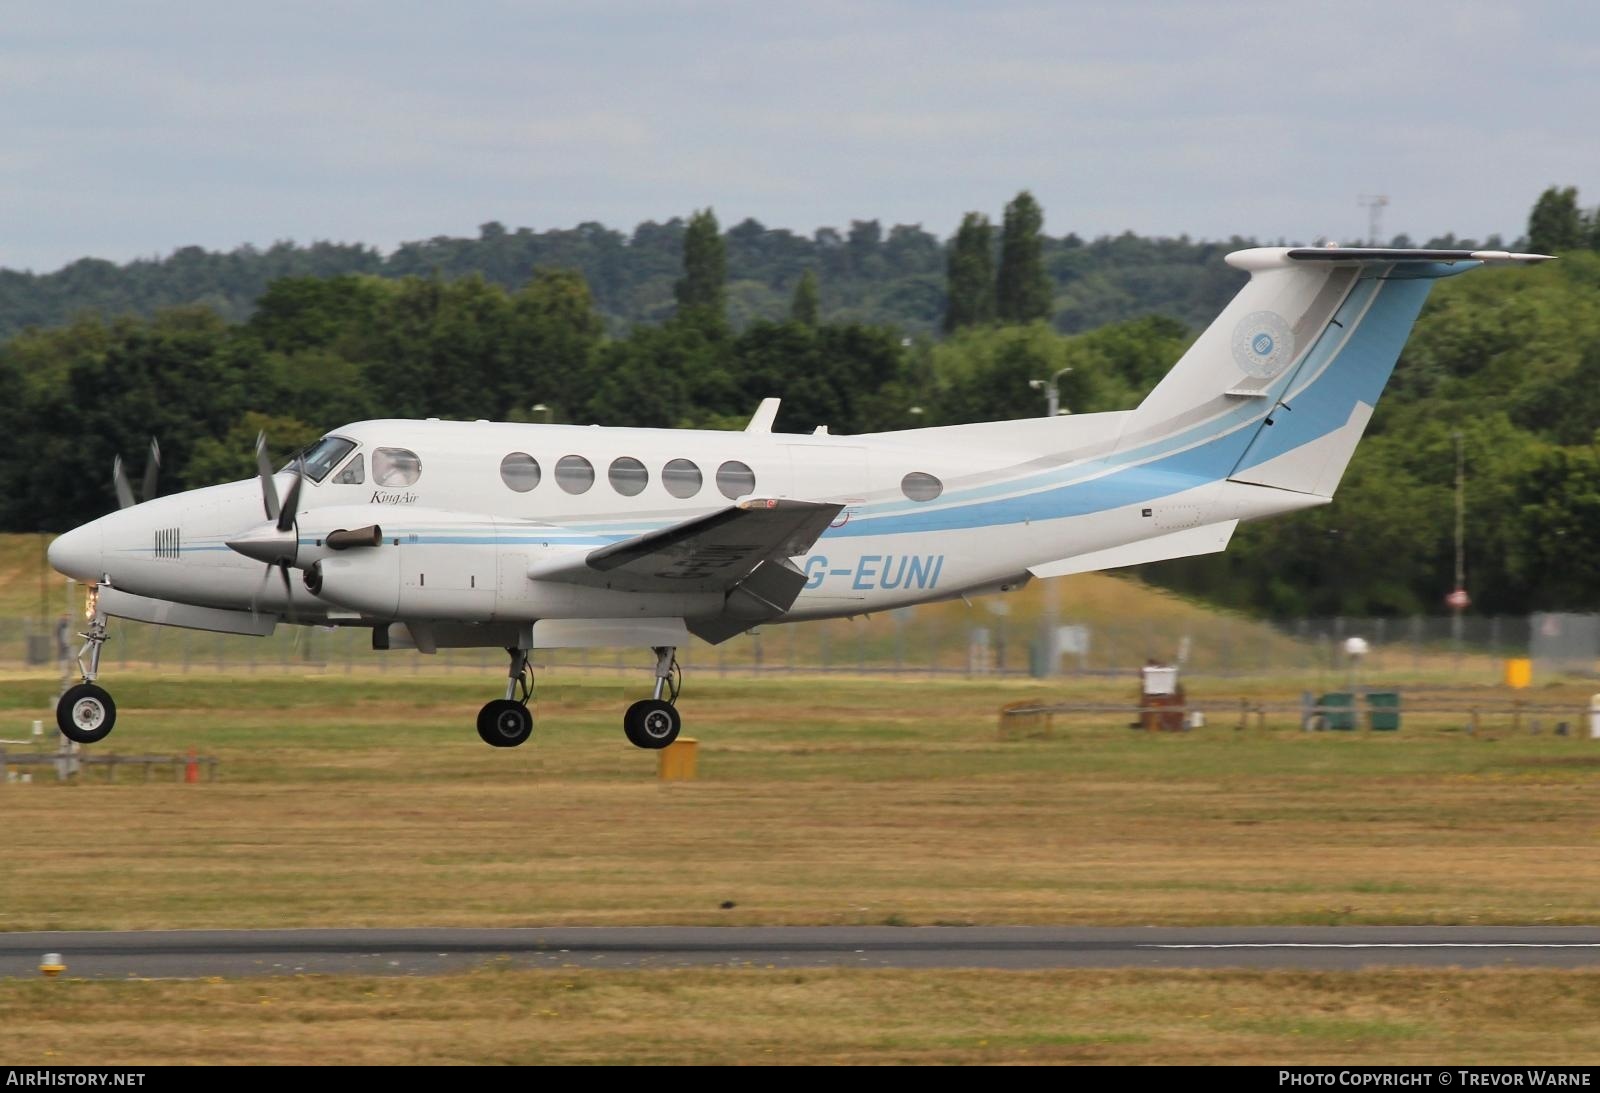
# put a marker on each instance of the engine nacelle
(367, 581)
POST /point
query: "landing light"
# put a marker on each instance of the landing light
(91, 602)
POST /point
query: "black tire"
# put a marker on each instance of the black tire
(504, 723)
(86, 714)
(651, 723)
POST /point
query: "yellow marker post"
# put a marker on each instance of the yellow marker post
(678, 760)
(1519, 672)
(51, 965)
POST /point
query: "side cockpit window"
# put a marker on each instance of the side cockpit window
(395, 467)
(323, 456)
(354, 473)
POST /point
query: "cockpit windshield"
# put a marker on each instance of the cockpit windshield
(323, 456)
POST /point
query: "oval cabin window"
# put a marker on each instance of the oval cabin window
(519, 471)
(395, 467)
(921, 487)
(574, 474)
(682, 478)
(628, 476)
(735, 479)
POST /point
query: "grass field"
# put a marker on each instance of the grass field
(369, 800)
(835, 801)
(823, 1016)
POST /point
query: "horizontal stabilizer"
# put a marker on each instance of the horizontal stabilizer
(1209, 539)
(1387, 255)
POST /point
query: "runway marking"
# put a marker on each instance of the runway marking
(1380, 945)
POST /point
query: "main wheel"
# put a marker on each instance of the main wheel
(86, 714)
(651, 723)
(504, 723)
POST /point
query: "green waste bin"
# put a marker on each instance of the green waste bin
(1383, 711)
(1336, 711)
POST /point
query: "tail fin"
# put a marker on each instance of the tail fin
(1281, 386)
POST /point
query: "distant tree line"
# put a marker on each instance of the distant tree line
(1509, 359)
(862, 274)
(1558, 224)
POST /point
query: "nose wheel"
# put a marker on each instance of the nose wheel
(85, 714)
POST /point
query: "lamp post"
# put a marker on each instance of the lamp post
(1052, 392)
(1049, 639)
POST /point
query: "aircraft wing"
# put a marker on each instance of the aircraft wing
(717, 552)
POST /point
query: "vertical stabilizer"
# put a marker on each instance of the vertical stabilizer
(1278, 390)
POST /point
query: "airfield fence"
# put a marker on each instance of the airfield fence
(928, 641)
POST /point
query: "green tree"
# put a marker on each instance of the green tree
(231, 457)
(182, 376)
(804, 308)
(1551, 547)
(969, 275)
(1555, 224)
(702, 290)
(1023, 290)
(556, 334)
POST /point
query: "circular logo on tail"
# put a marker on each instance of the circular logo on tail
(1263, 344)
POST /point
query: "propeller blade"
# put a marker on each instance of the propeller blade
(288, 591)
(152, 469)
(255, 598)
(291, 502)
(269, 491)
(119, 479)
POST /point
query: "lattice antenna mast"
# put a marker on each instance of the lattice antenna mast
(1374, 204)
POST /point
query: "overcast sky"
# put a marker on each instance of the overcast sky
(128, 130)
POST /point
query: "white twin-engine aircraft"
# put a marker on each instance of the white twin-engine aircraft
(443, 534)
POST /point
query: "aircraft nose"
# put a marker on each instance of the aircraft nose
(80, 553)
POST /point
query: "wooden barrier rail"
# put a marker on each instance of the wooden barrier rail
(1018, 718)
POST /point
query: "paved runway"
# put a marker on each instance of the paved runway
(195, 953)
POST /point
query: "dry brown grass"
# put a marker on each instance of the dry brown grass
(370, 802)
(845, 803)
(737, 1016)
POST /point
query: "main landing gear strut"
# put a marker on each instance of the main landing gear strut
(654, 722)
(649, 723)
(507, 722)
(85, 713)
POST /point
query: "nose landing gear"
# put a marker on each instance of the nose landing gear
(85, 713)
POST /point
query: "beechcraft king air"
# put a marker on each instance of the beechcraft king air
(444, 534)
